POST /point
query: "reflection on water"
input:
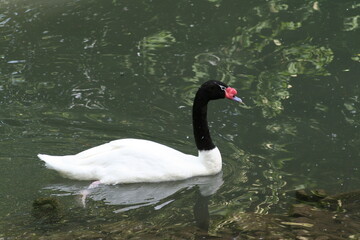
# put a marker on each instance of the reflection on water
(132, 196)
(76, 74)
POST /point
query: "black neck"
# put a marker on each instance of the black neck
(201, 130)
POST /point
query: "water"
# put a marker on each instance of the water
(76, 74)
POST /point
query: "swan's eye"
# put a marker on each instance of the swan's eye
(222, 87)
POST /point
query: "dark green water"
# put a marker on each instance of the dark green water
(76, 74)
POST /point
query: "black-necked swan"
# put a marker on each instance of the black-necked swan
(137, 160)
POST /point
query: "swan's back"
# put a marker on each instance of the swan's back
(128, 161)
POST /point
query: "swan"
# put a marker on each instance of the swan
(137, 160)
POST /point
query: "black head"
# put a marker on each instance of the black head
(213, 90)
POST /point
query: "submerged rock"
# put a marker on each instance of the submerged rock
(348, 202)
(47, 210)
(332, 217)
(310, 196)
(320, 217)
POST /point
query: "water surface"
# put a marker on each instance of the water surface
(76, 74)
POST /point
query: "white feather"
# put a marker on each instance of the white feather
(134, 160)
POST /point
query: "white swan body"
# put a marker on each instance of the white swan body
(134, 160)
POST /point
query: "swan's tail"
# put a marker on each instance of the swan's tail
(67, 166)
(54, 162)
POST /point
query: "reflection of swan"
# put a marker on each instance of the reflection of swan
(137, 160)
(136, 195)
(201, 212)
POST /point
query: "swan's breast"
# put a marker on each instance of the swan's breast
(211, 159)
